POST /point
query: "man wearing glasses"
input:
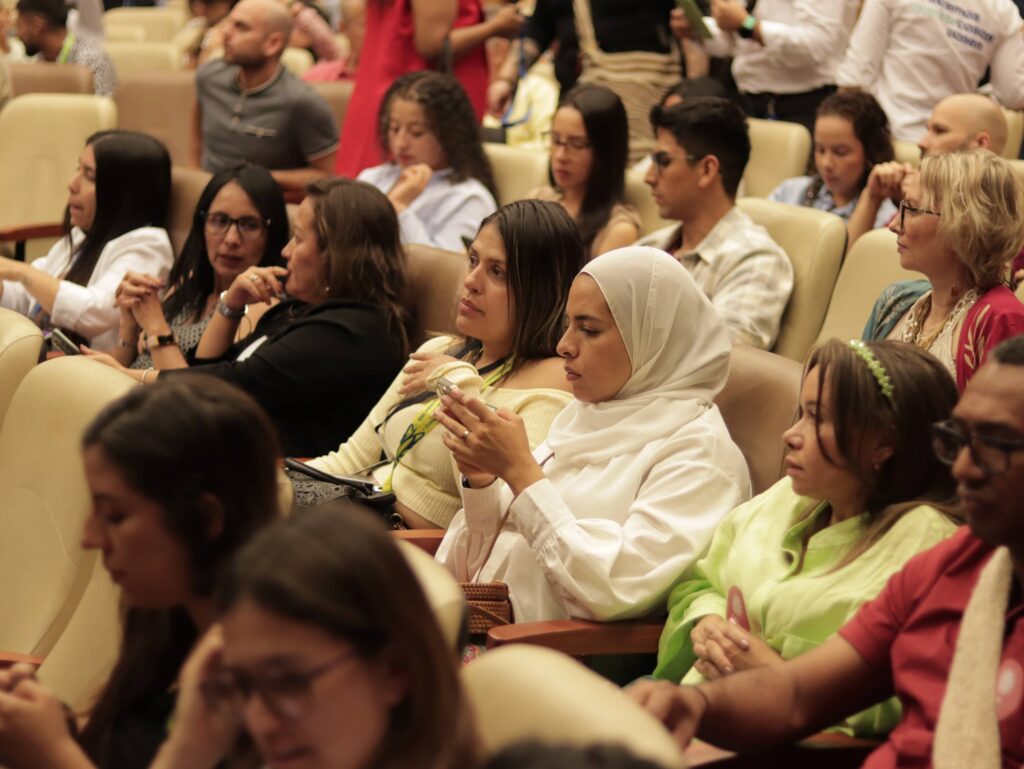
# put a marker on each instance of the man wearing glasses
(962, 121)
(946, 634)
(701, 150)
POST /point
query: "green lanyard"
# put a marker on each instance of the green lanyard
(425, 422)
(65, 50)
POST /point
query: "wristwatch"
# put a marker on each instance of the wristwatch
(227, 312)
(746, 29)
(159, 340)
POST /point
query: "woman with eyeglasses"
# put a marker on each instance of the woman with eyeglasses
(114, 223)
(318, 360)
(589, 140)
(180, 475)
(960, 225)
(437, 176)
(240, 221)
(328, 655)
(863, 493)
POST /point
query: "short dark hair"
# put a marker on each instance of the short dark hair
(705, 126)
(604, 118)
(54, 11)
(695, 88)
(1010, 351)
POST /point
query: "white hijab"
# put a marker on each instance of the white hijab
(678, 349)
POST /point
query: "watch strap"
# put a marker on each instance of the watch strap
(747, 27)
(227, 312)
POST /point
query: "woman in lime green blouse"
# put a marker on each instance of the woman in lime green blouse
(863, 493)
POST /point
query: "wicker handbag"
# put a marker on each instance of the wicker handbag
(489, 606)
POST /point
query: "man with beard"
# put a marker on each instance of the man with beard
(250, 108)
(42, 28)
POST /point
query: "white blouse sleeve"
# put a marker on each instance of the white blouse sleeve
(422, 221)
(606, 570)
(16, 297)
(467, 542)
(89, 310)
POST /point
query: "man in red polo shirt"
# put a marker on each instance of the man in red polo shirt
(904, 642)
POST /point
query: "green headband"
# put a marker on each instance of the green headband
(875, 367)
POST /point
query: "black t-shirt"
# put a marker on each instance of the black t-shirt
(619, 25)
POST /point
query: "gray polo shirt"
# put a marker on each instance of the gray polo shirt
(282, 124)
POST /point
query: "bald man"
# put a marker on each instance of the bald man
(250, 108)
(958, 122)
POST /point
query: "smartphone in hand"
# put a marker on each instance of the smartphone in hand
(60, 343)
(695, 18)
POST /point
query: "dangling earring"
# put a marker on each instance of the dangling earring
(326, 290)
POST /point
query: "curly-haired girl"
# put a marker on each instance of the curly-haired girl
(437, 178)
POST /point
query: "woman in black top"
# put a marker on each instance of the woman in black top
(319, 360)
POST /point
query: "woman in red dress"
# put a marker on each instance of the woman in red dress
(409, 35)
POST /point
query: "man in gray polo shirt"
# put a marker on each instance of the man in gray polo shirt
(250, 108)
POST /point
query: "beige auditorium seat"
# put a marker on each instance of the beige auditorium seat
(297, 60)
(337, 94)
(907, 152)
(778, 151)
(522, 693)
(638, 195)
(871, 265)
(443, 593)
(434, 283)
(187, 185)
(160, 104)
(516, 171)
(1018, 166)
(41, 137)
(815, 242)
(47, 77)
(43, 571)
(130, 58)
(160, 24)
(124, 33)
(20, 344)
(80, 661)
(758, 404)
(1015, 122)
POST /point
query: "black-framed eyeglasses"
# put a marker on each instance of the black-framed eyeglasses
(570, 143)
(990, 454)
(661, 160)
(914, 210)
(286, 694)
(248, 226)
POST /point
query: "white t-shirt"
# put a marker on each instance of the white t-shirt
(804, 42)
(89, 310)
(911, 54)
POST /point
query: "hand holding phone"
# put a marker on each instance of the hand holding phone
(695, 19)
(59, 342)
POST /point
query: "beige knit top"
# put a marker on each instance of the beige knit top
(427, 480)
(621, 212)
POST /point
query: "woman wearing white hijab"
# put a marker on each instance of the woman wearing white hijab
(637, 472)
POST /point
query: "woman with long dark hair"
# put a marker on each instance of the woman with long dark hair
(239, 221)
(437, 176)
(510, 316)
(320, 359)
(851, 136)
(181, 476)
(589, 140)
(114, 223)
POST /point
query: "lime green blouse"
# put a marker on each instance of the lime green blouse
(753, 573)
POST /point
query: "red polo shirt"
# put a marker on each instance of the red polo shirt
(908, 634)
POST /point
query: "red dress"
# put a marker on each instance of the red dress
(388, 53)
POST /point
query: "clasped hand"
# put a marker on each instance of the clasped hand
(723, 648)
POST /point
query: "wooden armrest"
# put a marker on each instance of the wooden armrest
(427, 540)
(580, 638)
(836, 751)
(29, 231)
(9, 659)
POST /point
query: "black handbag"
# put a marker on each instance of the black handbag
(314, 487)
